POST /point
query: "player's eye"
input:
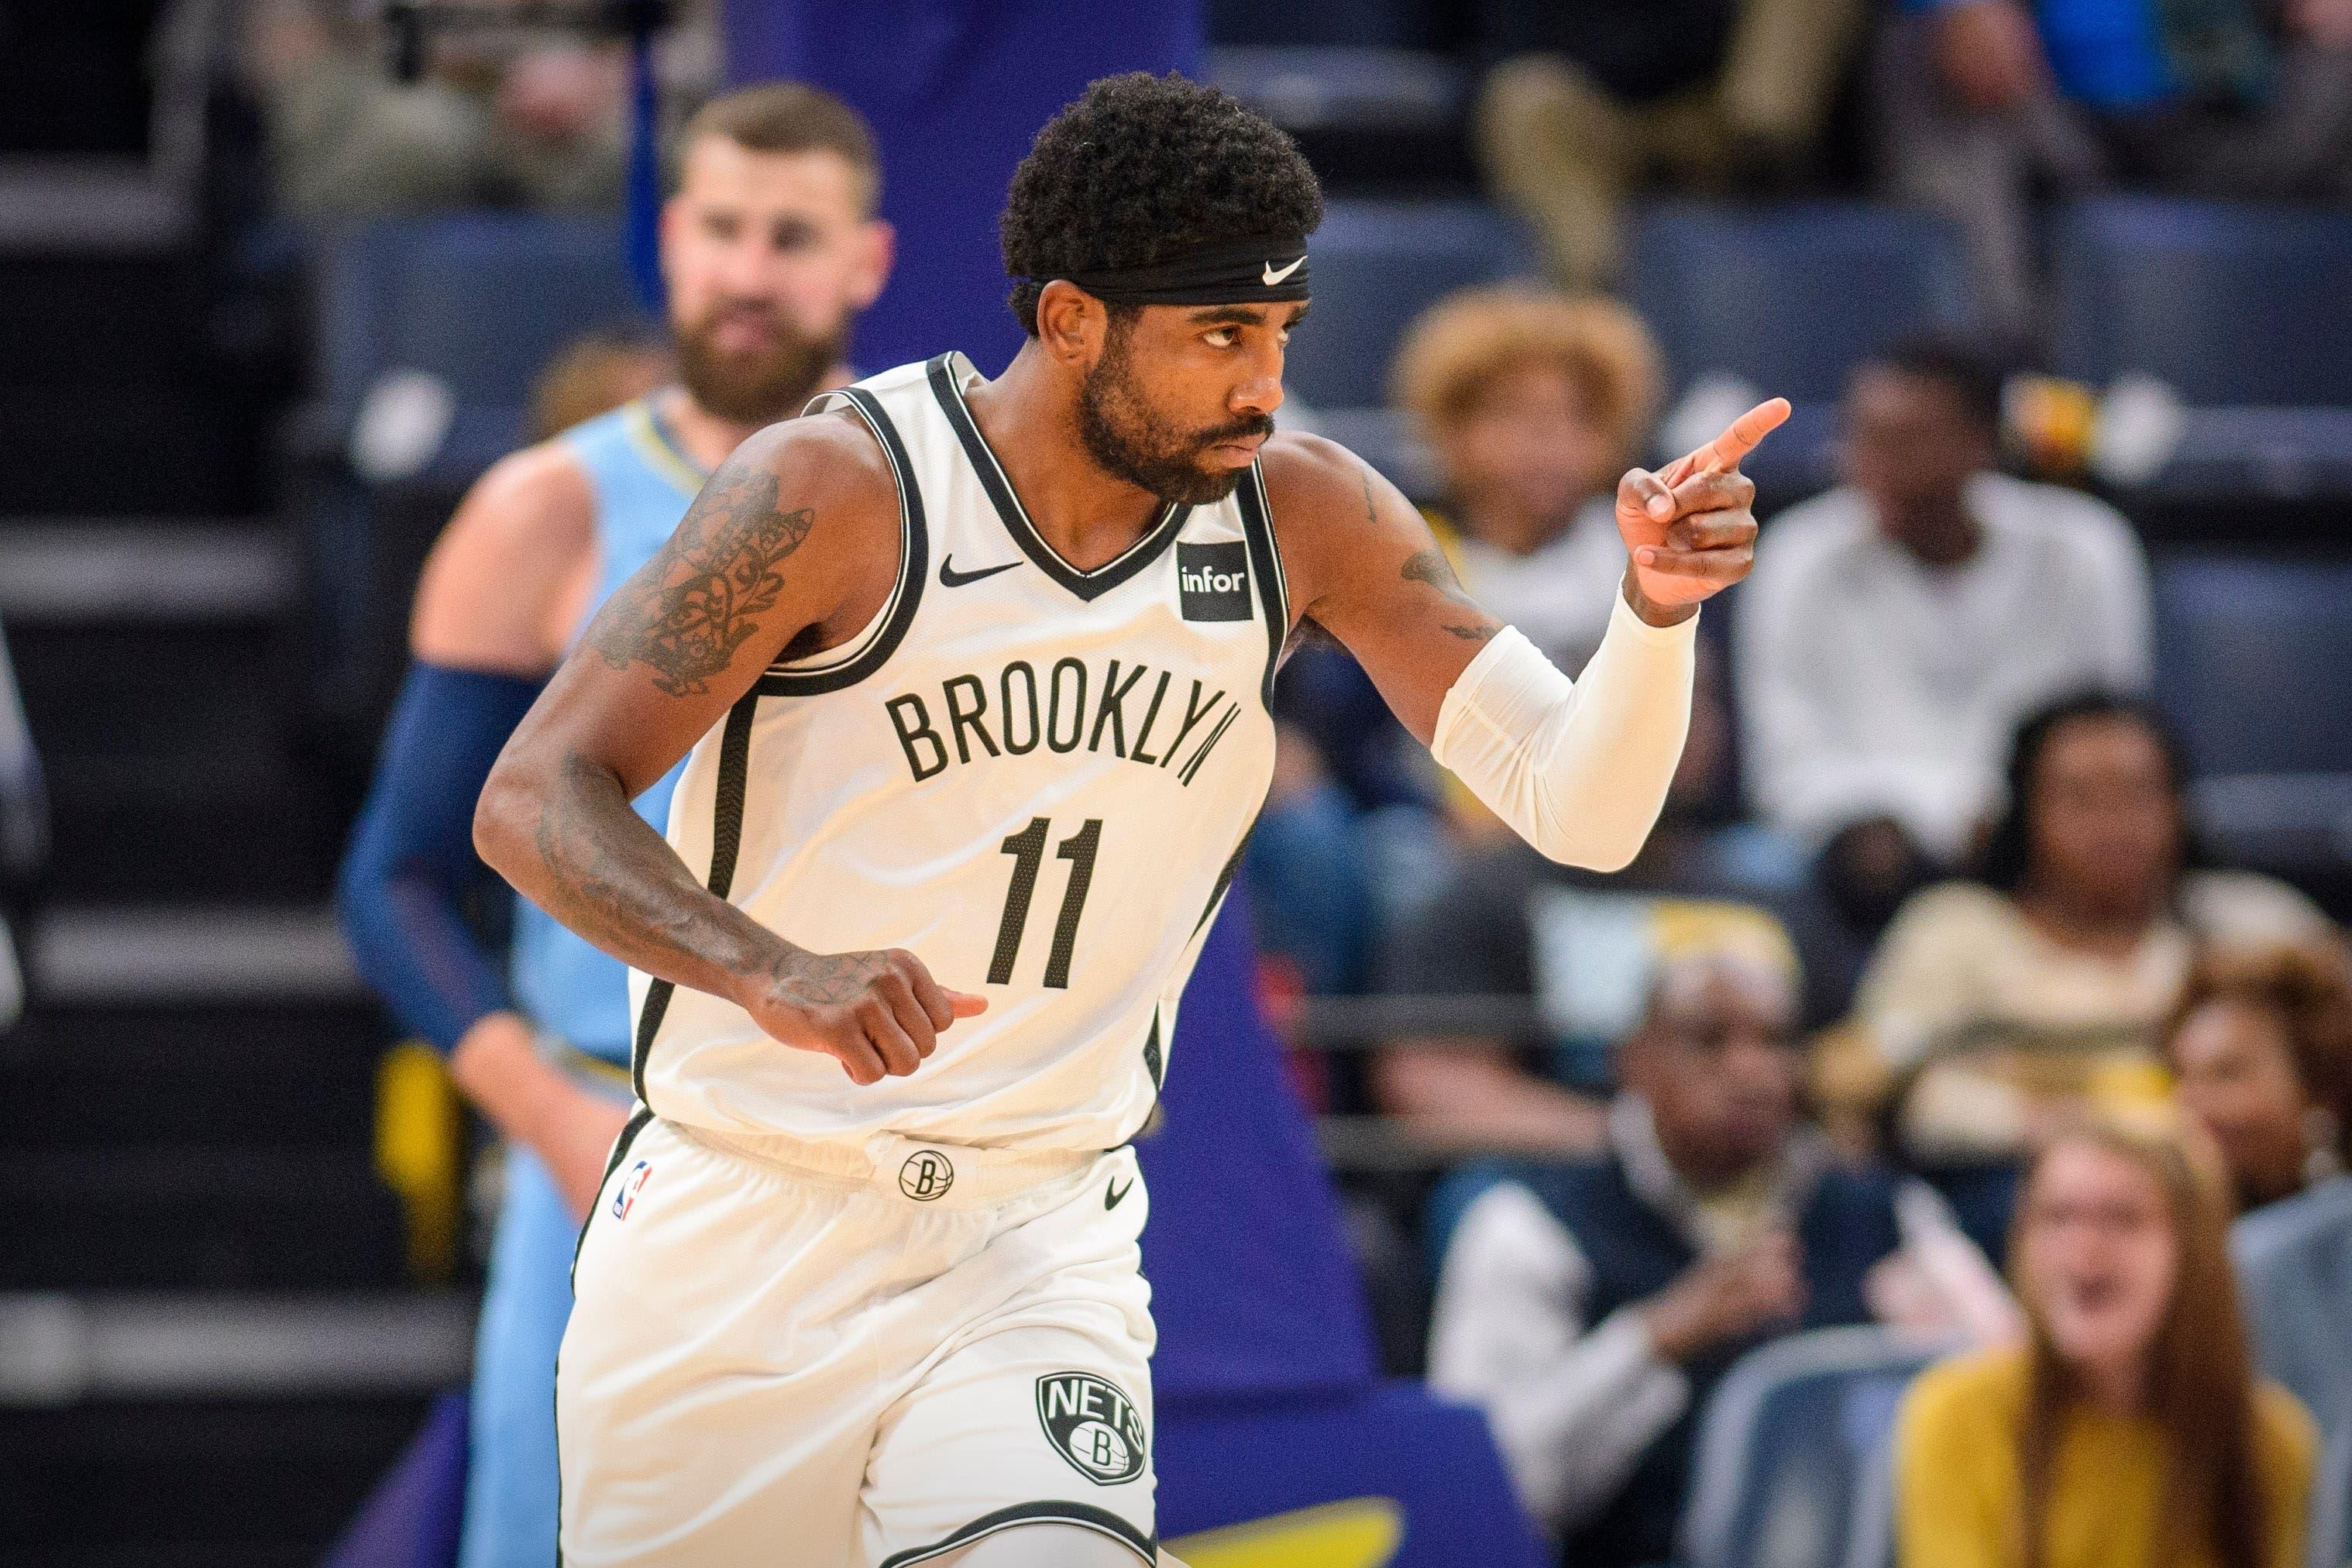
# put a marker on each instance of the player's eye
(1219, 337)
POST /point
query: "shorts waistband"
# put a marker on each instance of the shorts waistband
(931, 1175)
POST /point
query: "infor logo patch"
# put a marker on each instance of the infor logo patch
(1212, 581)
(1094, 1425)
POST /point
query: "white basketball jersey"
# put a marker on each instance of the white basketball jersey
(1036, 779)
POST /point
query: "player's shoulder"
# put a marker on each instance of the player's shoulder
(1304, 473)
(524, 534)
(829, 464)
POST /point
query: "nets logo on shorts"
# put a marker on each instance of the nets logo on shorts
(1095, 1426)
(1212, 581)
(926, 1175)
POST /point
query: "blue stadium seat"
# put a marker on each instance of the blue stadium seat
(1377, 265)
(480, 301)
(1794, 1465)
(1791, 297)
(2229, 304)
(2275, 775)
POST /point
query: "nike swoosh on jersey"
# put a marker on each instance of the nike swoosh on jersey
(952, 578)
(1111, 1196)
(1273, 277)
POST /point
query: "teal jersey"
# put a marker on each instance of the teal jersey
(642, 482)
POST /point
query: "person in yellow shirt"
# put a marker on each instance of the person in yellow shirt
(2129, 1431)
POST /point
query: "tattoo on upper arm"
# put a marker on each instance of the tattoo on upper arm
(1430, 566)
(700, 598)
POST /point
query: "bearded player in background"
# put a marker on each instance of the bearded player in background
(769, 247)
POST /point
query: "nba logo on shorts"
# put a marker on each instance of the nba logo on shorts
(926, 1176)
(1094, 1425)
(1212, 581)
(624, 1200)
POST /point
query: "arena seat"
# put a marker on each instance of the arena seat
(1787, 298)
(2275, 775)
(1377, 266)
(478, 301)
(1794, 1465)
(2231, 304)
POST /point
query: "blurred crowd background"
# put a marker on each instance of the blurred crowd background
(1992, 924)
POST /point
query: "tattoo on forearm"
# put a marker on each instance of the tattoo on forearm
(1430, 566)
(614, 880)
(701, 597)
(1372, 514)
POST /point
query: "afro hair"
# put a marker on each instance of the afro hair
(1142, 168)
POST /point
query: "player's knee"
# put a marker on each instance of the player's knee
(1049, 1545)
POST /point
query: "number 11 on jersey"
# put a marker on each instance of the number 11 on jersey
(1027, 848)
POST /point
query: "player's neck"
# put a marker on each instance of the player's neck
(1030, 421)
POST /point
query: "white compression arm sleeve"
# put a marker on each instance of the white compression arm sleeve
(1580, 768)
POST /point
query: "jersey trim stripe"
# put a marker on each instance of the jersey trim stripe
(1266, 565)
(726, 841)
(650, 434)
(851, 664)
(946, 373)
(1086, 1515)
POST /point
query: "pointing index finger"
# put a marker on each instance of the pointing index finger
(1741, 439)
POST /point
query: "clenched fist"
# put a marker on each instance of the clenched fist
(878, 1013)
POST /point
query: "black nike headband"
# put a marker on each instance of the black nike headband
(1230, 272)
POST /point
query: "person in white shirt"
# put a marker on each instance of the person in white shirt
(1590, 1305)
(1897, 628)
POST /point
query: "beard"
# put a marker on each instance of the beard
(1128, 441)
(756, 386)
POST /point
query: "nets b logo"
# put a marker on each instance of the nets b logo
(1212, 581)
(1095, 1426)
(926, 1176)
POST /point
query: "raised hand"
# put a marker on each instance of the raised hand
(879, 1014)
(1687, 527)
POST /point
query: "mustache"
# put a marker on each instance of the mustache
(1259, 425)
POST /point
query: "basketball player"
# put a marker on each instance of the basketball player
(770, 247)
(974, 675)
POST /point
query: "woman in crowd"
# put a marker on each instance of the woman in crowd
(1533, 404)
(2129, 1431)
(2260, 1045)
(1995, 1003)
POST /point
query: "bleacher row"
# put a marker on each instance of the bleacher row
(430, 331)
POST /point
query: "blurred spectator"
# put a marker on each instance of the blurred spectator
(1983, 102)
(2130, 1430)
(500, 117)
(1590, 101)
(1534, 404)
(1898, 628)
(595, 373)
(1308, 883)
(24, 834)
(2260, 1044)
(2006, 1000)
(1590, 1305)
(1506, 922)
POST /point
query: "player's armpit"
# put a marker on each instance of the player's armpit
(1363, 565)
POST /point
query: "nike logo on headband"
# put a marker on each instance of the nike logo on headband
(1273, 277)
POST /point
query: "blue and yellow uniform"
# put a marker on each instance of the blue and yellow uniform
(578, 996)
(401, 894)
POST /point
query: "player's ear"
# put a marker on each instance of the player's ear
(878, 247)
(1071, 324)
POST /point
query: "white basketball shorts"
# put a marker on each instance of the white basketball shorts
(825, 1356)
